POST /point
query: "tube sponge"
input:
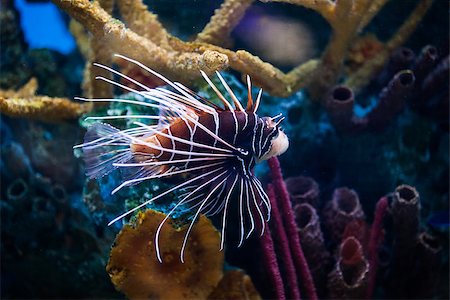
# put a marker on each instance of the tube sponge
(135, 270)
(343, 208)
(348, 280)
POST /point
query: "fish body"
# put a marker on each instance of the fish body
(246, 131)
(215, 147)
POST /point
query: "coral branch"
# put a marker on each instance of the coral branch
(218, 30)
(324, 7)
(374, 7)
(123, 40)
(146, 40)
(24, 104)
(138, 18)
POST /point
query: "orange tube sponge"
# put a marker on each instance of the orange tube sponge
(135, 270)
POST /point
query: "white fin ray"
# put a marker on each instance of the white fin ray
(252, 221)
(224, 217)
(216, 90)
(131, 131)
(258, 100)
(161, 163)
(249, 94)
(230, 91)
(241, 214)
(144, 94)
(132, 181)
(184, 141)
(183, 247)
(263, 223)
(123, 76)
(159, 196)
(125, 117)
(182, 201)
(156, 74)
(263, 196)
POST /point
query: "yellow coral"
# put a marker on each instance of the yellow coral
(143, 38)
(24, 103)
(135, 270)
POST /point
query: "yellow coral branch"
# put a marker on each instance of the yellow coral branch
(324, 7)
(42, 108)
(125, 41)
(218, 30)
(373, 9)
(100, 53)
(81, 37)
(147, 41)
(139, 19)
(24, 104)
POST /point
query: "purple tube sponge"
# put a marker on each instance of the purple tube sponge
(343, 208)
(436, 80)
(405, 213)
(391, 100)
(303, 189)
(339, 105)
(405, 209)
(401, 59)
(425, 62)
(427, 262)
(312, 241)
(348, 280)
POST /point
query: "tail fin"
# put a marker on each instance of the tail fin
(104, 145)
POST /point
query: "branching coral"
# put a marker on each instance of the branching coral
(142, 37)
(25, 104)
(135, 270)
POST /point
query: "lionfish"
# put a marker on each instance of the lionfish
(216, 147)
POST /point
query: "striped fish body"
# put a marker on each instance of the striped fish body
(214, 148)
(245, 130)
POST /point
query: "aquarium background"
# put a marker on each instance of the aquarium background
(55, 242)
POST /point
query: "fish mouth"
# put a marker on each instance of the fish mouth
(278, 146)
